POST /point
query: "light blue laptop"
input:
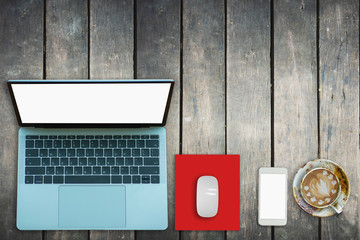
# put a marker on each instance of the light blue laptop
(92, 154)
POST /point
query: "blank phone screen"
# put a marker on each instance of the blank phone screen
(272, 196)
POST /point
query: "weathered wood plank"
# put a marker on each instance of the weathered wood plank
(295, 103)
(249, 104)
(111, 56)
(21, 56)
(158, 56)
(203, 85)
(66, 58)
(339, 106)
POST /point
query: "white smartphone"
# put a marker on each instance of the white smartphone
(272, 196)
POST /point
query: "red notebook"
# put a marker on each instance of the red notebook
(226, 168)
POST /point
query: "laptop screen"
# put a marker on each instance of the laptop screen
(128, 102)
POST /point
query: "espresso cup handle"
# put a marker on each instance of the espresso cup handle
(337, 208)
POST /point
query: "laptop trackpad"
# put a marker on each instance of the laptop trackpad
(91, 207)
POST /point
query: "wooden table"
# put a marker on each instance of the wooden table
(275, 81)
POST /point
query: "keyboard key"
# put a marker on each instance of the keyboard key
(129, 161)
(154, 152)
(114, 170)
(149, 170)
(136, 179)
(62, 137)
(85, 143)
(32, 137)
(130, 143)
(32, 161)
(154, 136)
(44, 152)
(38, 179)
(52, 137)
(50, 170)
(35, 170)
(110, 161)
(59, 170)
(57, 143)
(94, 143)
(80, 152)
(99, 152)
(53, 152)
(121, 143)
(108, 152)
(29, 179)
(64, 161)
(75, 143)
(138, 161)
(87, 170)
(103, 143)
(96, 170)
(126, 179)
(117, 137)
(105, 170)
(117, 153)
(112, 143)
(39, 143)
(135, 137)
(124, 170)
(73, 161)
(145, 152)
(66, 143)
(136, 152)
(32, 152)
(155, 179)
(107, 137)
(101, 161)
(151, 161)
(47, 179)
(71, 137)
(80, 137)
(92, 161)
(69, 170)
(48, 143)
(89, 137)
(140, 143)
(71, 152)
(145, 179)
(152, 143)
(58, 179)
(44, 137)
(45, 161)
(134, 170)
(29, 144)
(120, 161)
(77, 170)
(116, 179)
(83, 161)
(89, 152)
(99, 137)
(126, 137)
(62, 152)
(145, 137)
(87, 179)
(127, 152)
(54, 161)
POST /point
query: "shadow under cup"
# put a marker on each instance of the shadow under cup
(320, 188)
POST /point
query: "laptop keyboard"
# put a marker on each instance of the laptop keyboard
(88, 159)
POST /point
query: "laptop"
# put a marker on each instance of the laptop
(91, 154)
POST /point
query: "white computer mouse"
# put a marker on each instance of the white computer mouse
(207, 196)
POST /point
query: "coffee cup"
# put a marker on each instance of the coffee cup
(320, 188)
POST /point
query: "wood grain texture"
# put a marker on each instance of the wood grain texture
(249, 104)
(21, 56)
(111, 39)
(111, 56)
(203, 85)
(66, 39)
(339, 106)
(295, 103)
(66, 58)
(158, 56)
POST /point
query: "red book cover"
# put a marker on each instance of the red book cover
(226, 168)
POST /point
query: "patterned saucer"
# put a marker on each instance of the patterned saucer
(343, 179)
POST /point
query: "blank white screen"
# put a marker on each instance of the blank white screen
(92, 102)
(272, 196)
